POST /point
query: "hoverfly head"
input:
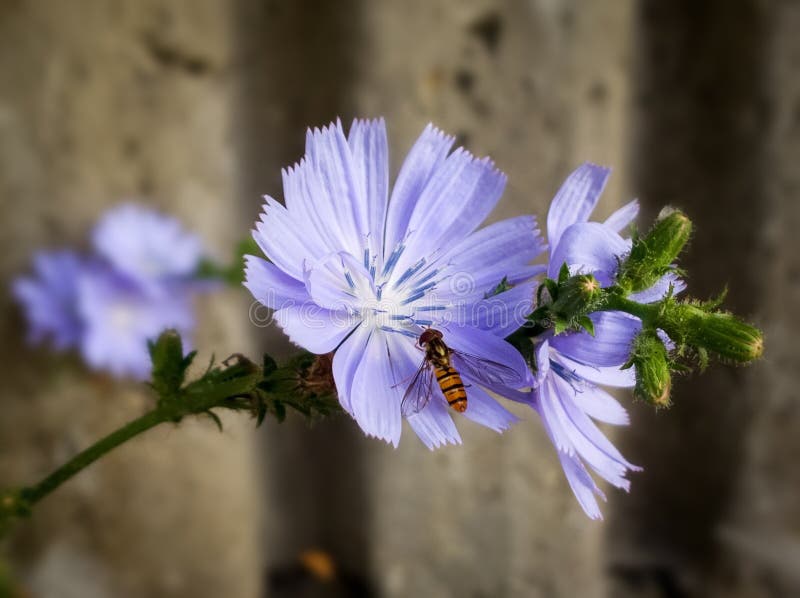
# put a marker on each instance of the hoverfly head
(428, 335)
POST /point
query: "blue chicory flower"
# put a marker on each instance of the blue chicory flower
(49, 298)
(146, 246)
(109, 305)
(362, 271)
(571, 366)
(120, 316)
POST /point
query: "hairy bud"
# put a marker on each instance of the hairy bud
(723, 334)
(653, 379)
(578, 296)
(652, 256)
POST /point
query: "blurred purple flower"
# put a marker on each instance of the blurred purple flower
(362, 274)
(571, 365)
(121, 316)
(149, 247)
(110, 305)
(49, 298)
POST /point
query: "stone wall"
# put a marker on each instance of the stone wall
(196, 105)
(102, 101)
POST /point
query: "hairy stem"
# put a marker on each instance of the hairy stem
(648, 313)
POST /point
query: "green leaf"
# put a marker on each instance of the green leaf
(586, 323)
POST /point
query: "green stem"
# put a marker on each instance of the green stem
(85, 458)
(20, 502)
(648, 313)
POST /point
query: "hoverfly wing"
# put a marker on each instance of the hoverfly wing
(486, 371)
(419, 391)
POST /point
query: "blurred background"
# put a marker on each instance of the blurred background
(195, 105)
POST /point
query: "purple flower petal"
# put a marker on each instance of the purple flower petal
(377, 388)
(271, 286)
(554, 420)
(434, 426)
(345, 363)
(600, 405)
(484, 410)
(586, 438)
(659, 290)
(370, 152)
(500, 314)
(499, 246)
(620, 219)
(604, 376)
(425, 158)
(338, 184)
(457, 198)
(49, 298)
(120, 317)
(314, 328)
(280, 237)
(461, 289)
(309, 209)
(611, 344)
(337, 281)
(582, 485)
(575, 200)
(485, 345)
(589, 248)
(146, 245)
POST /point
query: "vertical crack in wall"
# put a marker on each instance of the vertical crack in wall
(297, 67)
(700, 135)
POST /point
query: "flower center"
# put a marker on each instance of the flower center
(122, 317)
(402, 300)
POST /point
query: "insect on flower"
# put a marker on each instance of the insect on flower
(438, 363)
(361, 269)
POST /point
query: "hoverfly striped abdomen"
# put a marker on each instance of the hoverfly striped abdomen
(452, 386)
(438, 363)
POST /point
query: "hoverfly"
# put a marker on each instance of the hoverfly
(445, 365)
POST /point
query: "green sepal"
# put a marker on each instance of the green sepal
(215, 418)
(169, 364)
(268, 365)
(500, 287)
(560, 326)
(587, 324)
(563, 273)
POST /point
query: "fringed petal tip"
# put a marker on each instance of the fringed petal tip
(368, 122)
(484, 161)
(431, 129)
(435, 441)
(393, 441)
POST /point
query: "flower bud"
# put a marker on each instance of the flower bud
(652, 256)
(577, 297)
(650, 359)
(718, 332)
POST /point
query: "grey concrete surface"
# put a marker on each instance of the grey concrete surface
(100, 102)
(715, 98)
(198, 104)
